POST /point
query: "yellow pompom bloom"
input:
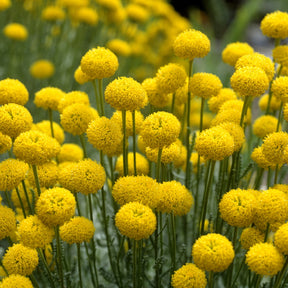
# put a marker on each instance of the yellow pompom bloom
(213, 252)
(170, 77)
(33, 233)
(265, 125)
(71, 98)
(80, 77)
(109, 4)
(281, 187)
(7, 221)
(42, 69)
(234, 51)
(280, 55)
(99, 63)
(251, 236)
(20, 259)
(142, 164)
(135, 221)
(70, 152)
(13, 91)
(48, 98)
(205, 85)
(181, 94)
(119, 47)
(105, 135)
(275, 103)
(224, 95)
(191, 44)
(160, 129)
(249, 81)
(15, 31)
(77, 230)
(53, 13)
(155, 97)
(237, 208)
(281, 239)
(35, 147)
(5, 143)
(16, 281)
(258, 157)
(214, 143)
(87, 15)
(125, 94)
(14, 119)
(55, 206)
(264, 259)
(137, 13)
(74, 3)
(279, 88)
(274, 145)
(275, 25)
(5, 4)
(76, 118)
(65, 175)
(189, 275)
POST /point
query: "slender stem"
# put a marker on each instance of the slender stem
(9, 202)
(50, 278)
(244, 109)
(34, 168)
(125, 162)
(173, 102)
(276, 174)
(258, 178)
(279, 117)
(34, 281)
(59, 257)
(1, 264)
(269, 177)
(258, 281)
(281, 275)
(173, 250)
(230, 275)
(21, 202)
(135, 264)
(51, 121)
(159, 165)
(100, 88)
(238, 272)
(27, 197)
(267, 232)
(79, 264)
(269, 98)
(82, 140)
(78, 204)
(134, 142)
(98, 105)
(201, 114)
(211, 279)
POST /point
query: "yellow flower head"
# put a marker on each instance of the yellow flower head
(14, 119)
(141, 189)
(16, 281)
(137, 13)
(275, 103)
(53, 13)
(109, 4)
(181, 94)
(251, 236)
(142, 164)
(213, 252)
(35, 147)
(205, 85)
(15, 31)
(234, 51)
(5, 143)
(70, 152)
(155, 97)
(279, 88)
(77, 230)
(74, 3)
(265, 125)
(281, 239)
(249, 81)
(189, 275)
(87, 15)
(20, 259)
(214, 143)
(80, 77)
(48, 97)
(264, 259)
(160, 129)
(224, 95)
(258, 157)
(125, 94)
(119, 47)
(191, 44)
(99, 63)
(55, 206)
(74, 97)
(135, 221)
(7, 221)
(4, 5)
(13, 91)
(275, 25)
(65, 175)
(280, 55)
(42, 69)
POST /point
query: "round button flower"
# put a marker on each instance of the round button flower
(135, 221)
(224, 95)
(279, 88)
(13, 91)
(251, 236)
(213, 252)
(55, 206)
(125, 94)
(15, 31)
(264, 259)
(80, 77)
(280, 55)
(42, 69)
(52, 13)
(35, 148)
(275, 103)
(189, 275)
(258, 157)
(5, 4)
(119, 47)
(73, 98)
(265, 125)
(191, 44)
(137, 13)
(7, 221)
(5, 143)
(70, 152)
(86, 15)
(20, 259)
(16, 281)
(99, 63)
(281, 238)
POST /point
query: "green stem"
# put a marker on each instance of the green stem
(159, 165)
(244, 109)
(50, 278)
(279, 117)
(173, 102)
(9, 202)
(125, 160)
(82, 140)
(51, 121)
(269, 98)
(59, 257)
(135, 264)
(21, 203)
(201, 114)
(27, 197)
(78, 204)
(258, 178)
(230, 275)
(258, 281)
(98, 105)
(134, 142)
(238, 272)
(1, 264)
(276, 174)
(281, 275)
(267, 232)
(211, 279)
(79, 264)
(173, 250)
(34, 168)
(100, 88)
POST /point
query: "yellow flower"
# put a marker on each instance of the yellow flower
(137, 13)
(234, 51)
(13, 91)
(87, 15)
(70, 152)
(213, 252)
(125, 94)
(160, 129)
(265, 125)
(15, 31)
(275, 103)
(135, 221)
(275, 25)
(65, 176)
(174, 198)
(77, 230)
(5, 143)
(181, 94)
(264, 259)
(20, 259)
(191, 44)
(214, 143)
(74, 3)
(72, 98)
(7, 221)
(52, 13)
(181, 160)
(251, 236)
(35, 147)
(5, 4)
(284, 70)
(189, 276)
(80, 77)
(281, 239)
(55, 206)
(281, 187)
(110, 4)
(194, 161)
(119, 47)
(42, 69)
(280, 55)
(16, 281)
(279, 88)
(142, 164)
(224, 95)
(205, 85)
(48, 97)
(14, 119)
(249, 81)
(258, 157)
(99, 63)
